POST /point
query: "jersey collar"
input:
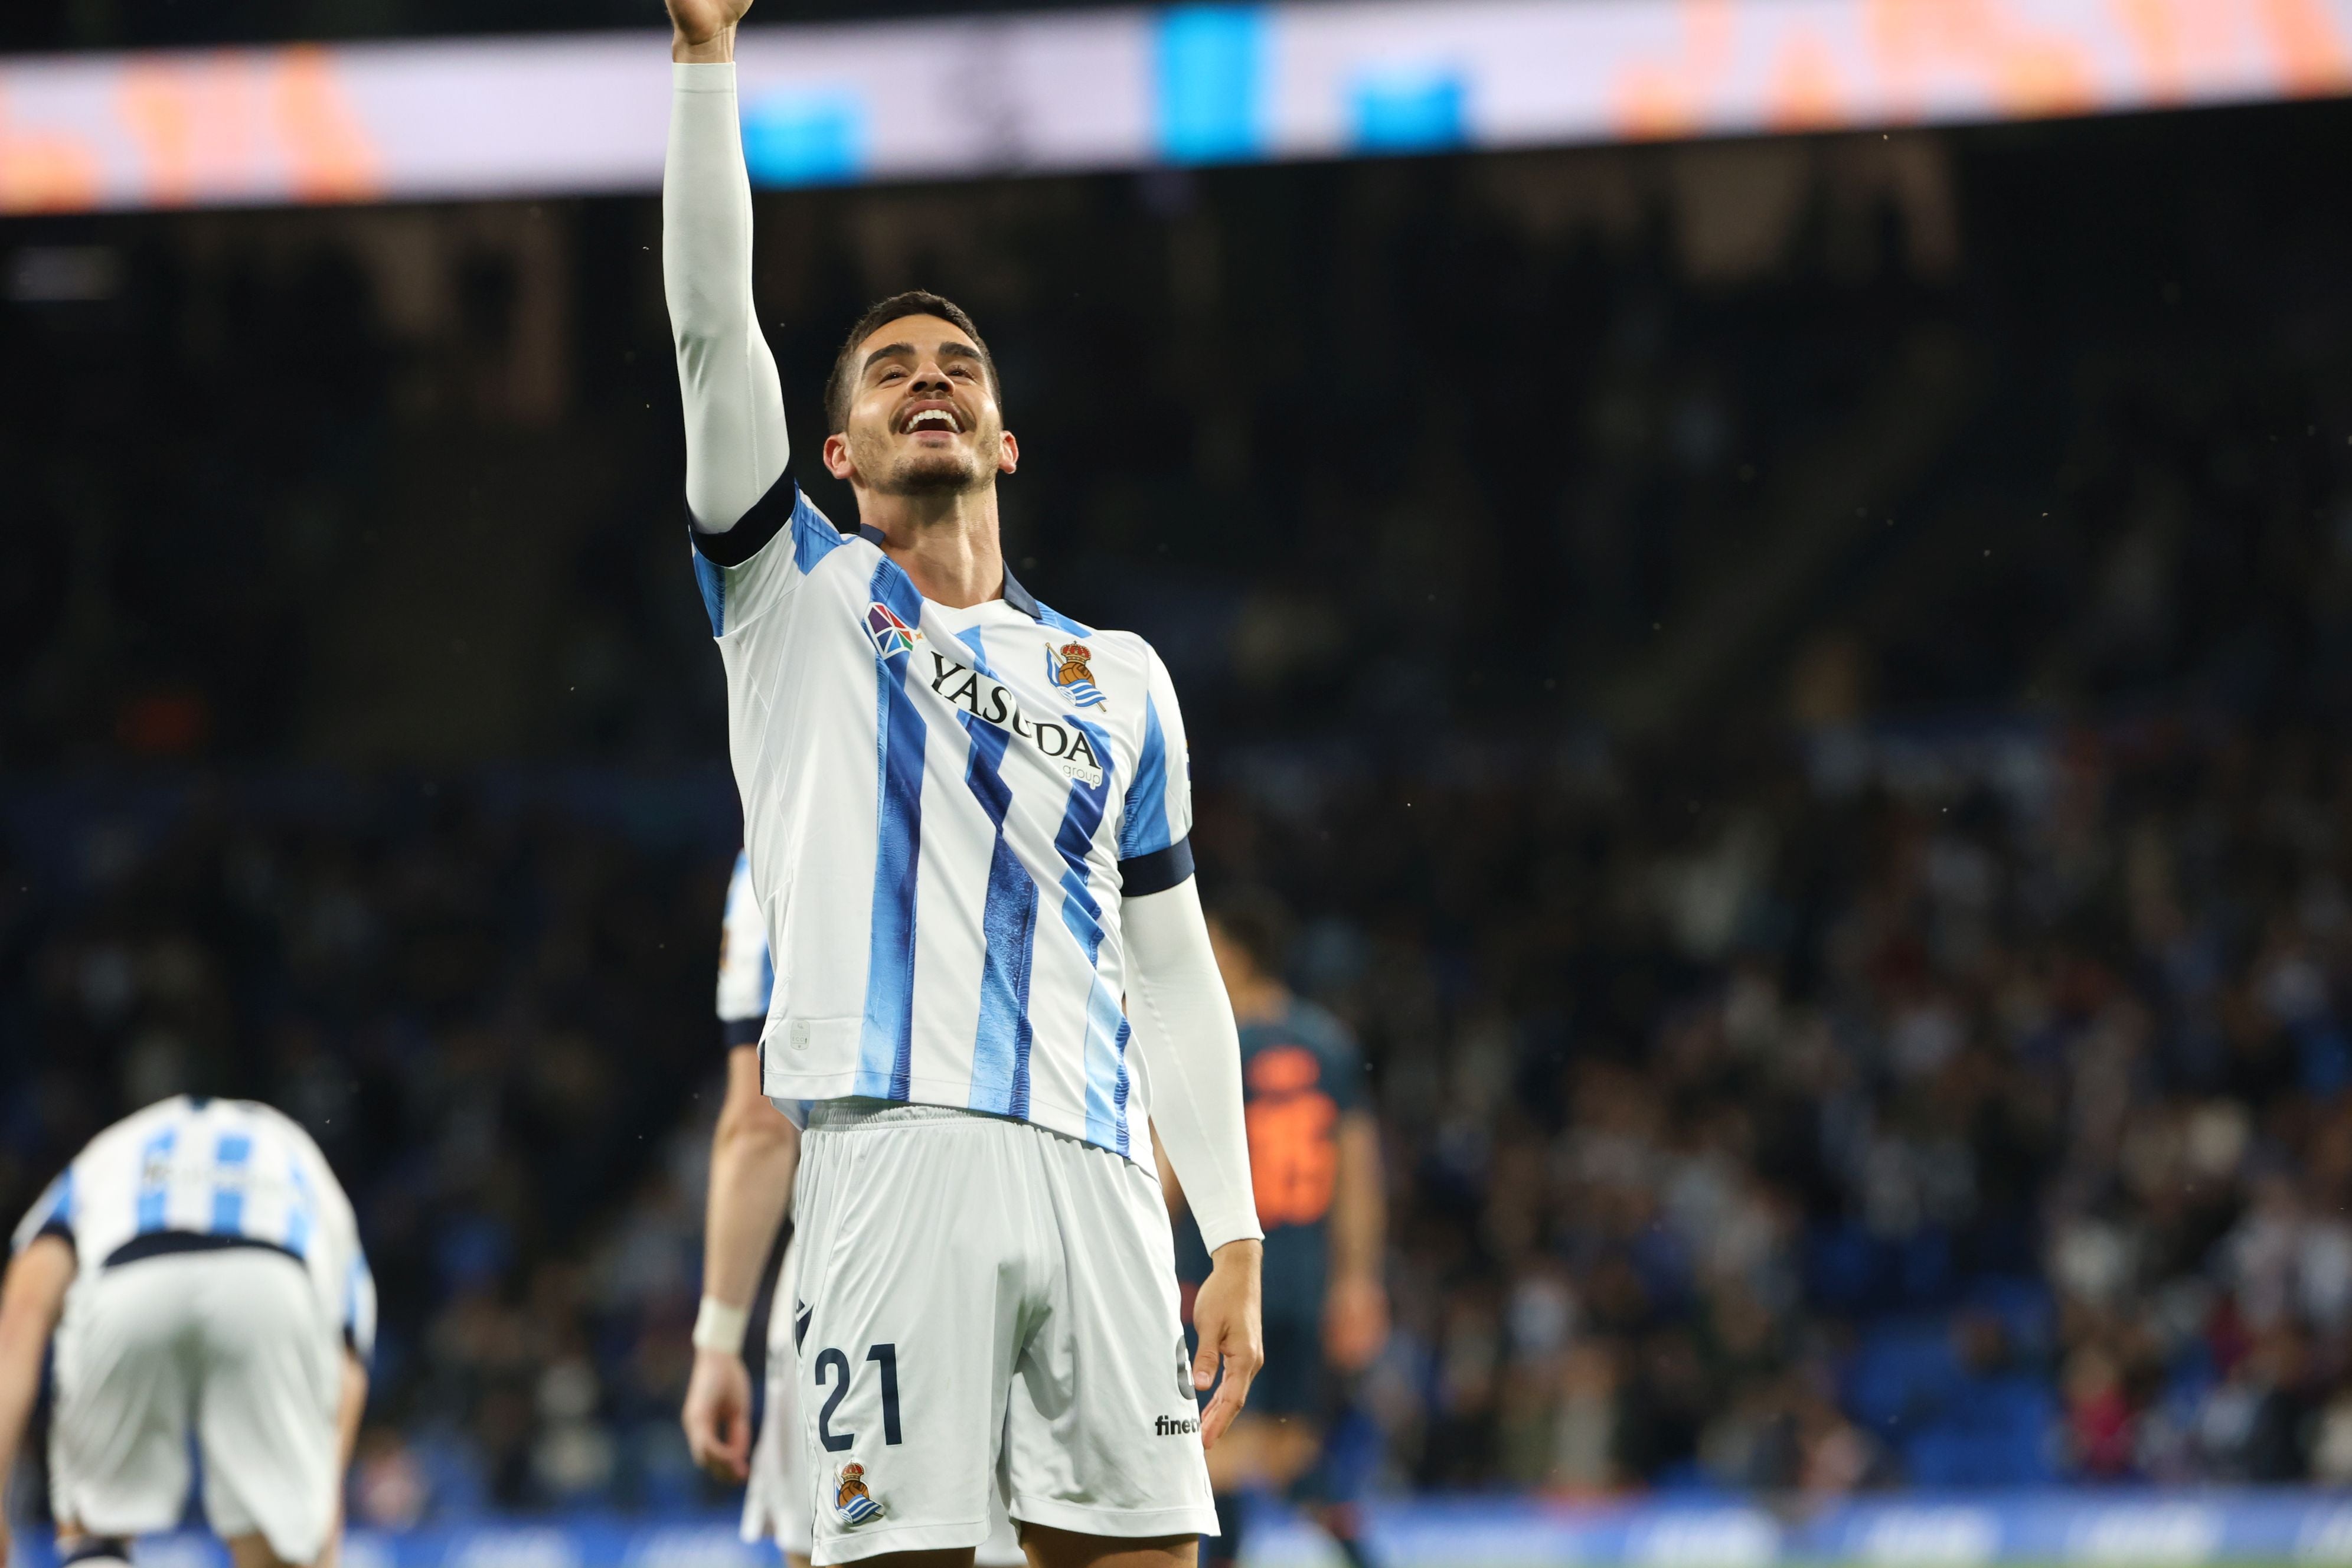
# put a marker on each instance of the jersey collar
(1016, 596)
(1021, 598)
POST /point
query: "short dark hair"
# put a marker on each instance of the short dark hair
(841, 386)
(1257, 922)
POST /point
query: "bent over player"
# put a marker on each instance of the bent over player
(967, 819)
(754, 1153)
(202, 1272)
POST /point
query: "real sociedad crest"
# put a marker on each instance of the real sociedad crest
(891, 635)
(1072, 672)
(851, 1498)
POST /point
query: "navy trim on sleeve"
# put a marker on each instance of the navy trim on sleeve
(1158, 871)
(769, 516)
(54, 1227)
(741, 1031)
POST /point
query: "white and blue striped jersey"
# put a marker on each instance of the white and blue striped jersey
(942, 812)
(747, 980)
(219, 1172)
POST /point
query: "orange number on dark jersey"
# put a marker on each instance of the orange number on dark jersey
(1293, 1147)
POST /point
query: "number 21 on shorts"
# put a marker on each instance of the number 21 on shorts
(831, 1369)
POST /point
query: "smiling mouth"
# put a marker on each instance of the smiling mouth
(934, 422)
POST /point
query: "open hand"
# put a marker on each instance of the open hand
(1227, 1313)
(717, 1415)
(700, 25)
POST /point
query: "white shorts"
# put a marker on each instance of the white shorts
(777, 1500)
(227, 1344)
(990, 1309)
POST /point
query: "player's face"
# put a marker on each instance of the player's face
(924, 418)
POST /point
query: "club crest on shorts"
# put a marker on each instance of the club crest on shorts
(891, 635)
(852, 1500)
(1071, 670)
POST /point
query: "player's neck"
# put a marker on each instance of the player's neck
(947, 544)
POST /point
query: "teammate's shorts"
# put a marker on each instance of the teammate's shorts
(777, 1501)
(988, 1307)
(776, 1497)
(227, 1345)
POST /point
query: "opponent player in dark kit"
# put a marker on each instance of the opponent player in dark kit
(1315, 1160)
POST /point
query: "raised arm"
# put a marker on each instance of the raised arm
(736, 445)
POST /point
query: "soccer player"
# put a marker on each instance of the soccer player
(202, 1272)
(754, 1153)
(1314, 1155)
(968, 821)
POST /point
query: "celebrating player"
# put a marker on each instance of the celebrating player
(203, 1274)
(1314, 1155)
(754, 1153)
(967, 819)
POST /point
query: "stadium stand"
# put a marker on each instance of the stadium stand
(1809, 753)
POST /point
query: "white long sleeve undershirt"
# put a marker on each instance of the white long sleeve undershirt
(736, 449)
(736, 444)
(1192, 1055)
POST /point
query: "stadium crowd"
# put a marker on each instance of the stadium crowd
(1909, 1040)
(1944, 1107)
(1911, 1120)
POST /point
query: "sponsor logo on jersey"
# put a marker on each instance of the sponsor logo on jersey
(891, 635)
(853, 1499)
(1064, 745)
(1070, 671)
(1176, 1425)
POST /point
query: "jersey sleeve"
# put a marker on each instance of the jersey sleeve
(747, 978)
(51, 1215)
(753, 568)
(754, 534)
(737, 441)
(359, 1306)
(1155, 838)
(327, 1209)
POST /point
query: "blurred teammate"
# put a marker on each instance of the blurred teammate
(202, 1271)
(754, 1153)
(967, 819)
(1315, 1153)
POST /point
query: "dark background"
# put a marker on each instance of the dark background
(1796, 689)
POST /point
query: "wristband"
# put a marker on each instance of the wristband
(720, 1327)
